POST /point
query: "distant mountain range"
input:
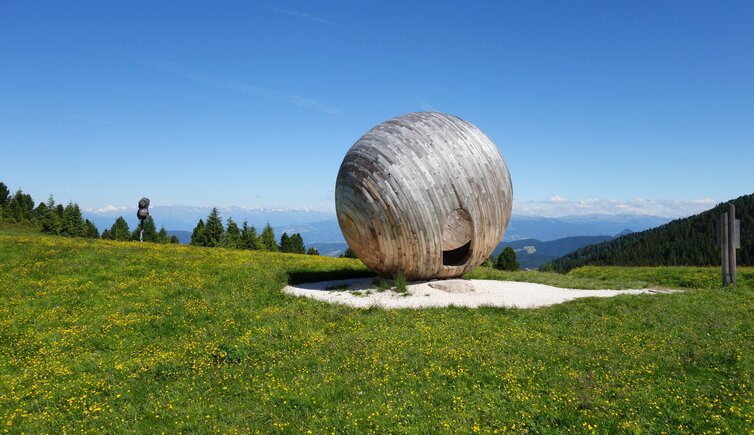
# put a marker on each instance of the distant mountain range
(183, 236)
(315, 233)
(333, 249)
(320, 228)
(683, 242)
(184, 218)
(532, 253)
(546, 229)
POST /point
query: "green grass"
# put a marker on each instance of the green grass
(123, 337)
(400, 283)
(615, 277)
(382, 284)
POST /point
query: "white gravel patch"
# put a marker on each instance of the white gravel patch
(362, 293)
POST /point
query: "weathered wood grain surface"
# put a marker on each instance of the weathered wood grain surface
(425, 194)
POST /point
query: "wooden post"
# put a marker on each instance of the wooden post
(732, 244)
(723, 240)
(729, 238)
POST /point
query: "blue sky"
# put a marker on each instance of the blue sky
(621, 106)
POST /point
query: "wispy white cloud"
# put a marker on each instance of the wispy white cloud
(426, 106)
(423, 104)
(558, 206)
(106, 209)
(303, 15)
(240, 87)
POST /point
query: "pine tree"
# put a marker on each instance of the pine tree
(150, 230)
(162, 236)
(72, 224)
(267, 239)
(285, 243)
(197, 236)
(507, 260)
(174, 239)
(21, 207)
(4, 195)
(232, 235)
(249, 236)
(4, 200)
(120, 230)
(297, 244)
(348, 253)
(312, 251)
(213, 229)
(39, 211)
(91, 230)
(50, 221)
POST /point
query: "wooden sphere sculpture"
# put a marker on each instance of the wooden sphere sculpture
(426, 195)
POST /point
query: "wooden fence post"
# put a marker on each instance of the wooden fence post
(729, 238)
(722, 233)
(732, 244)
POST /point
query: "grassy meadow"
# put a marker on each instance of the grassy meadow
(104, 336)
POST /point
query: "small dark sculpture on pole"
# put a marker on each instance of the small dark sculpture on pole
(143, 214)
(729, 239)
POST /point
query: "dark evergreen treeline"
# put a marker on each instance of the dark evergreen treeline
(48, 216)
(690, 241)
(52, 218)
(56, 219)
(213, 233)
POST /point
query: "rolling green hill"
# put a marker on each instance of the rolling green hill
(683, 242)
(110, 337)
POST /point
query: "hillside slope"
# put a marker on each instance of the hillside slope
(683, 242)
(105, 336)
